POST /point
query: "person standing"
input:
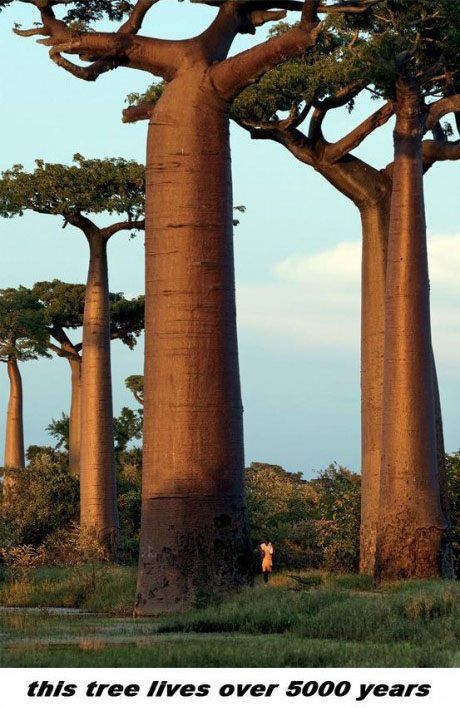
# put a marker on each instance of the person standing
(267, 551)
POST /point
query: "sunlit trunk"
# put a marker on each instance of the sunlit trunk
(98, 508)
(14, 439)
(375, 223)
(411, 521)
(194, 536)
(75, 418)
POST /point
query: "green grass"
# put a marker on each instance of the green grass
(106, 588)
(298, 619)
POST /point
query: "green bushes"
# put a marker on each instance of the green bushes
(312, 523)
(42, 499)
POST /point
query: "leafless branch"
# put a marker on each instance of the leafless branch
(450, 104)
(122, 226)
(348, 143)
(436, 151)
(136, 18)
(133, 114)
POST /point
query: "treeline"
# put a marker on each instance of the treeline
(313, 523)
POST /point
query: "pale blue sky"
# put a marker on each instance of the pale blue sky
(297, 256)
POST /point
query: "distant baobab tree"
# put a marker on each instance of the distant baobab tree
(23, 336)
(115, 186)
(64, 305)
(194, 534)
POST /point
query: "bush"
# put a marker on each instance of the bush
(42, 498)
(453, 488)
(312, 523)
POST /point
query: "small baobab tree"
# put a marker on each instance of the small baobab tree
(64, 310)
(23, 336)
(113, 186)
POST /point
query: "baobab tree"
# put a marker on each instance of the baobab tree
(23, 336)
(194, 528)
(72, 192)
(309, 91)
(64, 310)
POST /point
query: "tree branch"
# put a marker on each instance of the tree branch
(335, 151)
(81, 222)
(437, 151)
(63, 353)
(436, 111)
(133, 114)
(136, 18)
(108, 231)
(233, 75)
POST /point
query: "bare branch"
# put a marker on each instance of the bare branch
(159, 56)
(133, 114)
(32, 32)
(436, 151)
(82, 222)
(450, 104)
(122, 226)
(233, 75)
(87, 73)
(336, 151)
(64, 353)
(136, 18)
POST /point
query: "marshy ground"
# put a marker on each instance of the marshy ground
(299, 619)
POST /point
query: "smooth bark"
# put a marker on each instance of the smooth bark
(370, 190)
(194, 536)
(98, 507)
(75, 418)
(411, 522)
(14, 440)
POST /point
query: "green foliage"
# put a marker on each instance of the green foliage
(43, 496)
(421, 38)
(23, 334)
(151, 96)
(127, 426)
(60, 430)
(135, 384)
(281, 507)
(338, 511)
(311, 523)
(112, 185)
(63, 303)
(126, 318)
(453, 487)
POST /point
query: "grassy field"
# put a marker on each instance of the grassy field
(311, 619)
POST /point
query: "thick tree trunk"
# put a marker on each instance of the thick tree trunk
(370, 190)
(411, 521)
(75, 418)
(14, 441)
(98, 507)
(194, 535)
(375, 224)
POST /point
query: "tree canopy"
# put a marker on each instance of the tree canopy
(135, 384)
(63, 308)
(112, 185)
(23, 332)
